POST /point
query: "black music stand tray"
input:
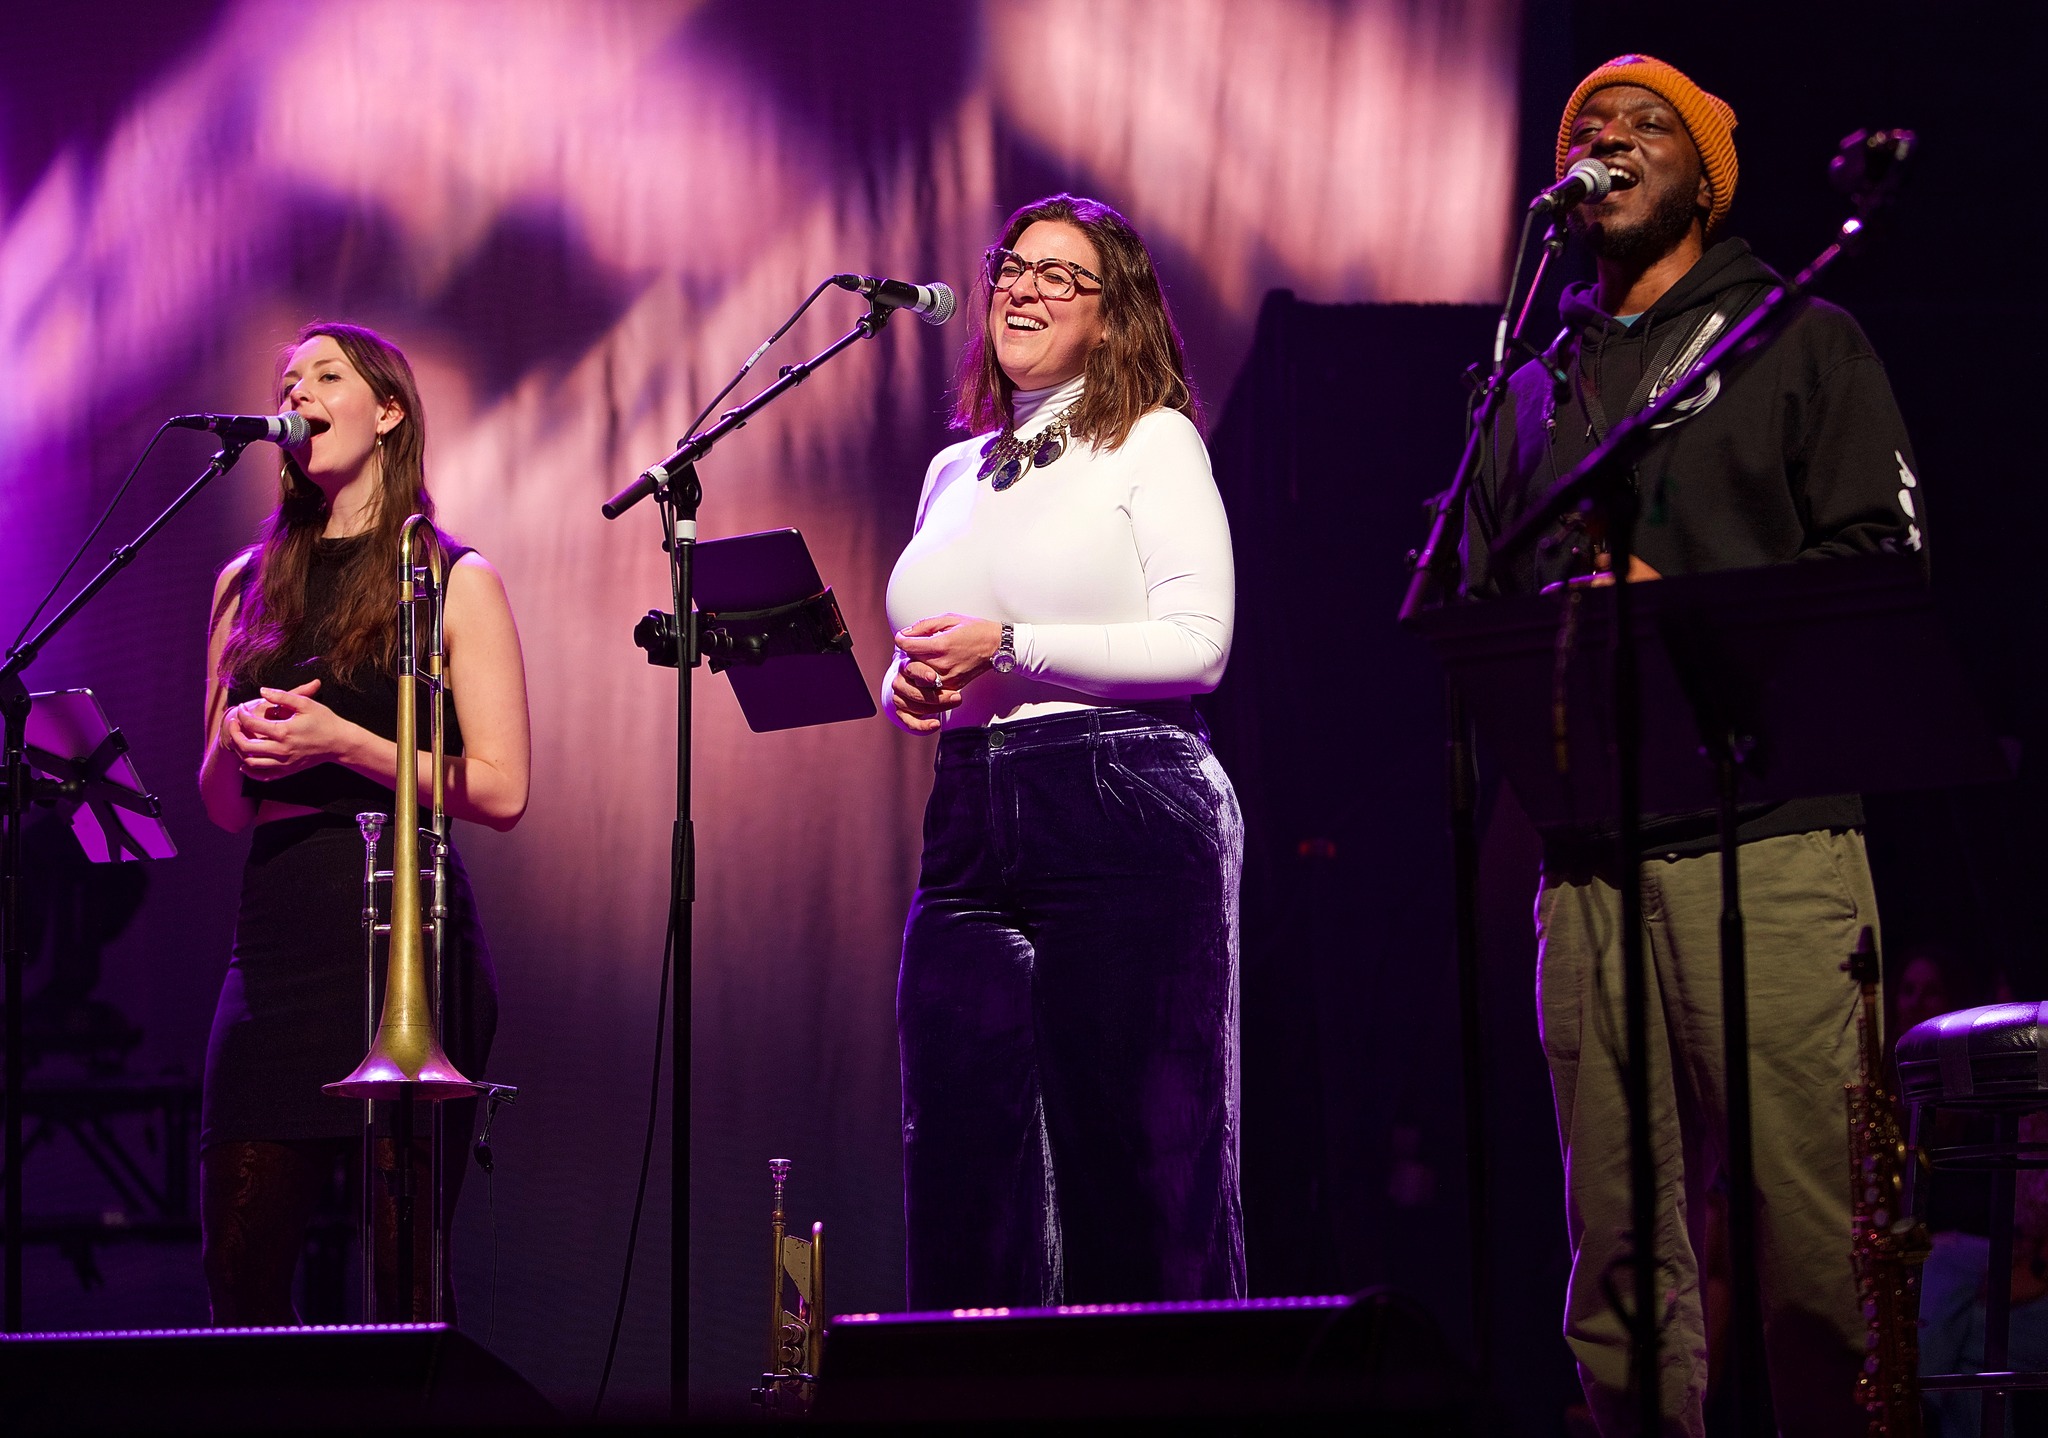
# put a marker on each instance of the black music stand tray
(88, 775)
(1832, 678)
(1756, 685)
(768, 622)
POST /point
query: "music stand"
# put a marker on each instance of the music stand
(769, 623)
(765, 619)
(1757, 685)
(59, 751)
(71, 744)
(1834, 678)
(18, 788)
(676, 488)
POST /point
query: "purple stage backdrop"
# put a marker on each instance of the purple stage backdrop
(578, 218)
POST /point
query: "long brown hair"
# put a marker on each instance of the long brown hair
(362, 628)
(1138, 367)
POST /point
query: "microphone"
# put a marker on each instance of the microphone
(933, 303)
(1587, 180)
(283, 429)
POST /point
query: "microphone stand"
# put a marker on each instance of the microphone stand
(1869, 167)
(18, 789)
(678, 494)
(1437, 565)
(1436, 574)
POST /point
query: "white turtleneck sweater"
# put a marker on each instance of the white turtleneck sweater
(1113, 566)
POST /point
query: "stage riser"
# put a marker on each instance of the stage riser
(1380, 1360)
(261, 1380)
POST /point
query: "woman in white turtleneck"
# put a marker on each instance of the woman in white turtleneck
(1067, 1005)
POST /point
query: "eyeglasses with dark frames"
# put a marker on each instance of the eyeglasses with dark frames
(1056, 278)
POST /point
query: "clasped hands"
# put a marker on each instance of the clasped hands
(284, 731)
(942, 655)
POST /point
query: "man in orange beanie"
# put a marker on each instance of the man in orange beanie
(1796, 453)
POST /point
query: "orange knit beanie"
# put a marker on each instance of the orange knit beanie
(1708, 119)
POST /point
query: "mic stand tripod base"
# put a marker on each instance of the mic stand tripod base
(679, 494)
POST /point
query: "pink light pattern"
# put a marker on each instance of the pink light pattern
(1352, 152)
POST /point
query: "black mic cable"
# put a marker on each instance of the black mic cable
(91, 534)
(611, 1351)
(284, 429)
(761, 349)
(656, 475)
(495, 1095)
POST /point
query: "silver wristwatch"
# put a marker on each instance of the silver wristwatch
(1005, 657)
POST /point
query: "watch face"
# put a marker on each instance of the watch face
(1002, 663)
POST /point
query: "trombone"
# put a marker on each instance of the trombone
(405, 1064)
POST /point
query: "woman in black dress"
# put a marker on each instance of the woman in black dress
(301, 713)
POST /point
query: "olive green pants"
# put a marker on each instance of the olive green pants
(1804, 899)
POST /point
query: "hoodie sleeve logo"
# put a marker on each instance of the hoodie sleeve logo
(1907, 484)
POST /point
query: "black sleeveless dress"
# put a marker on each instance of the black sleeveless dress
(290, 1015)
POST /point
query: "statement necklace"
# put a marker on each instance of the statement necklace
(1007, 457)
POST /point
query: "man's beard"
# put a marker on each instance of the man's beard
(1650, 239)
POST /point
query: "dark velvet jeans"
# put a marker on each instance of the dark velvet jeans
(1067, 1010)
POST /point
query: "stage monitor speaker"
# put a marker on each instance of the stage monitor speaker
(221, 1380)
(1377, 1360)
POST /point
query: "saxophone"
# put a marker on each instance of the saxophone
(1887, 1246)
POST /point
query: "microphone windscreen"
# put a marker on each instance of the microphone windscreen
(1599, 179)
(943, 304)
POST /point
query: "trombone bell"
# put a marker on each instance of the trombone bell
(383, 1073)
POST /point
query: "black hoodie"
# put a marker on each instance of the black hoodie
(1798, 452)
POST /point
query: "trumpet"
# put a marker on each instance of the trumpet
(796, 1311)
(405, 1063)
